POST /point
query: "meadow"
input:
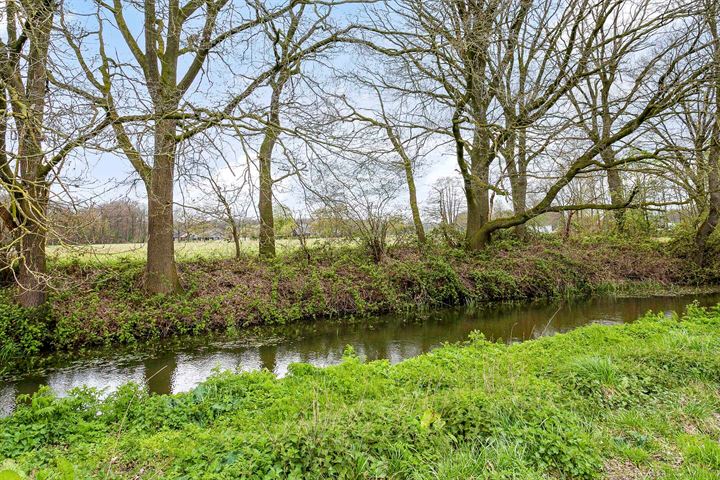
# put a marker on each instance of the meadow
(184, 251)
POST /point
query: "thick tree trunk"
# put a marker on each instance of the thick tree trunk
(480, 239)
(265, 204)
(473, 221)
(617, 197)
(474, 217)
(161, 272)
(616, 188)
(32, 203)
(711, 221)
(520, 205)
(517, 170)
(713, 171)
(479, 208)
(31, 279)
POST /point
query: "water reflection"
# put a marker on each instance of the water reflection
(159, 374)
(323, 343)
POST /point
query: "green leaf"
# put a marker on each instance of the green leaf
(9, 475)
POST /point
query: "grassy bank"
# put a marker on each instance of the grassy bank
(96, 304)
(623, 402)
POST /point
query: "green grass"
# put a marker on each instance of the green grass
(623, 402)
(184, 251)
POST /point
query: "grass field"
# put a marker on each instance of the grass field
(213, 249)
(183, 250)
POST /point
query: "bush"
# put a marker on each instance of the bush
(496, 285)
(24, 334)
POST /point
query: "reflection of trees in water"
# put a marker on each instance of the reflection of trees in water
(268, 357)
(159, 374)
(397, 339)
(8, 394)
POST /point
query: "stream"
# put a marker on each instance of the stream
(179, 365)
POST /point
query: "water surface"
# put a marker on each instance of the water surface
(180, 365)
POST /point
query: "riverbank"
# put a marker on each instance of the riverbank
(622, 402)
(103, 304)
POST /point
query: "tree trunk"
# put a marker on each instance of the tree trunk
(161, 272)
(474, 220)
(478, 211)
(32, 203)
(31, 279)
(517, 168)
(417, 221)
(616, 188)
(474, 217)
(713, 174)
(708, 226)
(236, 239)
(265, 205)
(481, 238)
(568, 225)
(520, 205)
(410, 178)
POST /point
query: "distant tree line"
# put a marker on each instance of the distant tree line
(110, 222)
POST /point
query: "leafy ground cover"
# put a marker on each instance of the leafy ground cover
(624, 402)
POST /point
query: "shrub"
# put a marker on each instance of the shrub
(24, 333)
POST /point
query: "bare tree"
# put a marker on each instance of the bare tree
(604, 99)
(357, 190)
(685, 133)
(445, 206)
(158, 81)
(220, 192)
(299, 40)
(710, 223)
(405, 151)
(35, 141)
(456, 61)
